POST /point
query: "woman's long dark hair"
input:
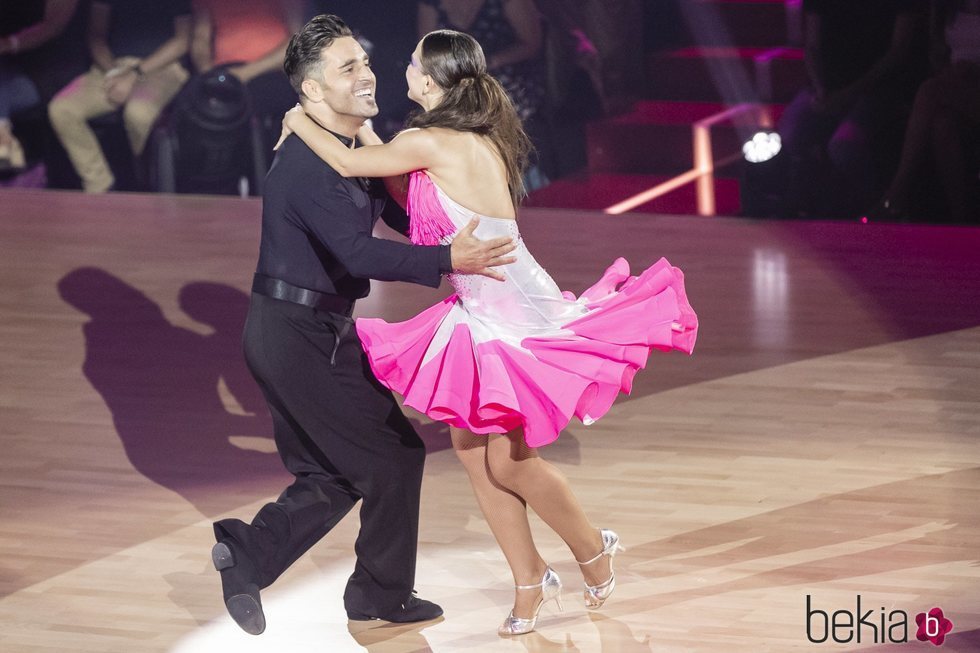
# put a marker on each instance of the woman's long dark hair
(474, 101)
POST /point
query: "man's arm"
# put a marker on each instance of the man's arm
(57, 15)
(98, 35)
(202, 32)
(119, 84)
(292, 14)
(813, 52)
(173, 49)
(329, 212)
(427, 19)
(393, 214)
(524, 18)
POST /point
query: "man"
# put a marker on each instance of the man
(337, 429)
(136, 47)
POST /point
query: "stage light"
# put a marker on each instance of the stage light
(763, 147)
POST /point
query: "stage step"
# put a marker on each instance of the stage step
(601, 191)
(725, 74)
(656, 137)
(738, 53)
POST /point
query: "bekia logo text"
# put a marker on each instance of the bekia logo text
(878, 626)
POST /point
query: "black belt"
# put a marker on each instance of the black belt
(287, 292)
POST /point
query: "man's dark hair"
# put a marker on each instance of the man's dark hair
(303, 53)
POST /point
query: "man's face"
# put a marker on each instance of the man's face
(348, 83)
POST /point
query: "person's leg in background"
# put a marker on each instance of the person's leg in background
(955, 131)
(945, 108)
(70, 111)
(150, 97)
(851, 151)
(949, 155)
(804, 132)
(17, 92)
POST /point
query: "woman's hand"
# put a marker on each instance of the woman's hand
(287, 119)
(367, 136)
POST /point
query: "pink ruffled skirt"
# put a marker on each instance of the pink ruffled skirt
(535, 383)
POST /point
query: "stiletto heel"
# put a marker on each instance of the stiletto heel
(596, 595)
(550, 590)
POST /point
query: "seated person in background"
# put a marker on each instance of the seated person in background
(607, 41)
(509, 32)
(34, 24)
(945, 121)
(248, 38)
(136, 47)
(865, 60)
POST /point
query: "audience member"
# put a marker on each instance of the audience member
(865, 60)
(249, 39)
(510, 32)
(945, 121)
(26, 27)
(136, 47)
(606, 38)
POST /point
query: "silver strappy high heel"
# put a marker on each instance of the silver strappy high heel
(596, 595)
(550, 590)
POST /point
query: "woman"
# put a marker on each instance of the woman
(509, 31)
(511, 34)
(505, 364)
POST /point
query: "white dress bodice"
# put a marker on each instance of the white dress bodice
(528, 300)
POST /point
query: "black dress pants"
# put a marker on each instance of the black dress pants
(343, 437)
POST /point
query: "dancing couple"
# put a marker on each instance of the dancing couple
(506, 361)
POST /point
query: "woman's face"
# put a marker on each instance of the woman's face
(418, 81)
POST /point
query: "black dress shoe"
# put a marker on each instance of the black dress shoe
(239, 584)
(414, 609)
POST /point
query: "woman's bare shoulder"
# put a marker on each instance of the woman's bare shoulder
(445, 146)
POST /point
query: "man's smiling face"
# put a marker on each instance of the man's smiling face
(348, 83)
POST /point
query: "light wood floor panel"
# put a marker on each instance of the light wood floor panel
(822, 440)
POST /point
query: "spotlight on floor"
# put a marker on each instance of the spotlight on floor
(763, 146)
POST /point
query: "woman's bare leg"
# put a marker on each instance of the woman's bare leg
(506, 513)
(518, 468)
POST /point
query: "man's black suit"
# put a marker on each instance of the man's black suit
(338, 430)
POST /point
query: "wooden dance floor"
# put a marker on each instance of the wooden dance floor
(822, 442)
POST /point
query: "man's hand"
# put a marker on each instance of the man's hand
(243, 73)
(471, 255)
(118, 85)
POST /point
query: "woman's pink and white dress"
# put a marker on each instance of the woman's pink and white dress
(497, 356)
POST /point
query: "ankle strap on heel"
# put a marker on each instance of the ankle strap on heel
(593, 559)
(529, 587)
